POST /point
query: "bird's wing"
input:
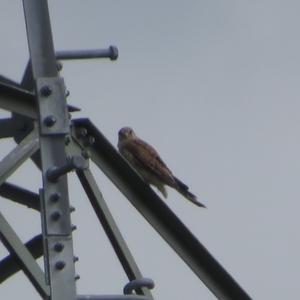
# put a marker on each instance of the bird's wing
(148, 159)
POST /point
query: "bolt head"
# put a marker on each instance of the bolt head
(60, 265)
(55, 216)
(50, 121)
(114, 53)
(67, 140)
(78, 162)
(59, 66)
(58, 247)
(81, 132)
(91, 140)
(55, 197)
(46, 91)
(86, 154)
(77, 277)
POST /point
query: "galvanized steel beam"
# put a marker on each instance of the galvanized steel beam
(17, 100)
(30, 267)
(18, 155)
(53, 127)
(9, 265)
(20, 195)
(157, 213)
(112, 231)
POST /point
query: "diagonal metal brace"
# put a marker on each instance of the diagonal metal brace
(28, 264)
(158, 214)
(9, 265)
(18, 155)
(20, 195)
(17, 100)
(113, 233)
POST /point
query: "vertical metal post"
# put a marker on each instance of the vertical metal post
(53, 127)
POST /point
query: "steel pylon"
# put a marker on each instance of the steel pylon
(41, 123)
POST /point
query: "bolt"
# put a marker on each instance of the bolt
(78, 162)
(73, 227)
(77, 277)
(81, 132)
(59, 66)
(50, 121)
(91, 140)
(67, 93)
(72, 209)
(55, 216)
(75, 259)
(85, 154)
(46, 91)
(60, 265)
(73, 163)
(58, 247)
(55, 197)
(67, 140)
(113, 53)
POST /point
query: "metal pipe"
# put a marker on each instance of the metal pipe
(111, 52)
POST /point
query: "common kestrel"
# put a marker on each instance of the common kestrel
(146, 161)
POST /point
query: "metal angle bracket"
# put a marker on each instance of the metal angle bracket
(54, 212)
(60, 261)
(52, 105)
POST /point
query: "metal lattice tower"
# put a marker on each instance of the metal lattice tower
(41, 125)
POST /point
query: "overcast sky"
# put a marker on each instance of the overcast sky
(214, 87)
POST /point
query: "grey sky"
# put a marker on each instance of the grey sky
(214, 86)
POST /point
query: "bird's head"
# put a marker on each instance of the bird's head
(126, 133)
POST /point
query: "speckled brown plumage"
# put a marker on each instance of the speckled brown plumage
(147, 162)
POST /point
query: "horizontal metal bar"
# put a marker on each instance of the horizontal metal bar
(17, 100)
(111, 229)
(111, 52)
(28, 264)
(9, 265)
(18, 155)
(8, 81)
(159, 215)
(20, 195)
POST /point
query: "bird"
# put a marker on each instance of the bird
(148, 164)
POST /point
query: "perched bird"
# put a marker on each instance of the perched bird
(146, 161)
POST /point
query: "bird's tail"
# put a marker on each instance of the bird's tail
(183, 189)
